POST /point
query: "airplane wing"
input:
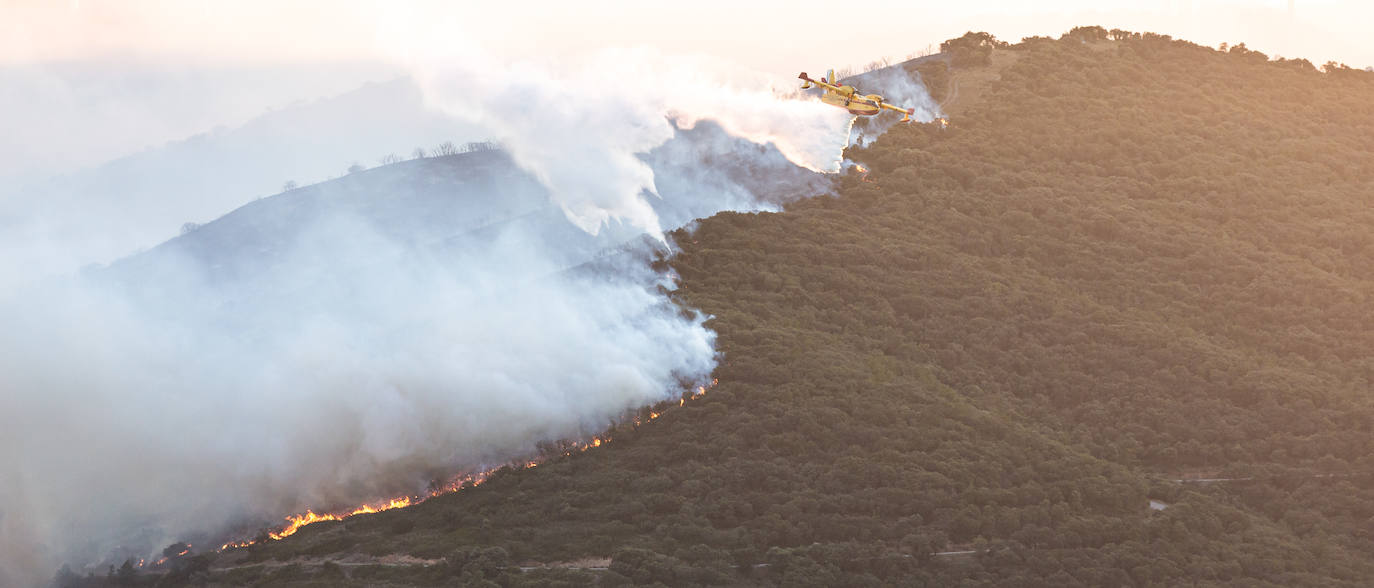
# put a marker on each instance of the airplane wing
(906, 112)
(808, 82)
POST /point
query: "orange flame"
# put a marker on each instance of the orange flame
(298, 521)
(863, 172)
(295, 522)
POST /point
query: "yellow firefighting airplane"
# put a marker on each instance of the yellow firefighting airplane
(849, 98)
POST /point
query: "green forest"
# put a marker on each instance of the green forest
(1128, 265)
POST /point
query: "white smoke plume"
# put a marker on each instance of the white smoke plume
(578, 126)
(348, 341)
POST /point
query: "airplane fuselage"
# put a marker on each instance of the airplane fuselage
(849, 99)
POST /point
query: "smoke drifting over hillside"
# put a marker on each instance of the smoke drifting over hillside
(579, 126)
(360, 338)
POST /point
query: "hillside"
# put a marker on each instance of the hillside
(289, 346)
(1129, 261)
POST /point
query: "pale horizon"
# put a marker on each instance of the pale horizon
(99, 79)
(765, 37)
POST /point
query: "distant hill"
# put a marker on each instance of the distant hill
(84, 112)
(108, 211)
(1002, 357)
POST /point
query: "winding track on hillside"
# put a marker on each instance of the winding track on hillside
(951, 92)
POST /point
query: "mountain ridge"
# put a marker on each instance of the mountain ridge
(985, 357)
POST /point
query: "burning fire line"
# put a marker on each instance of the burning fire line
(295, 522)
(163, 560)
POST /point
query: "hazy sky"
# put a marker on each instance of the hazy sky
(99, 79)
(783, 35)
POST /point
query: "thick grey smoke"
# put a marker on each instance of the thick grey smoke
(359, 338)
